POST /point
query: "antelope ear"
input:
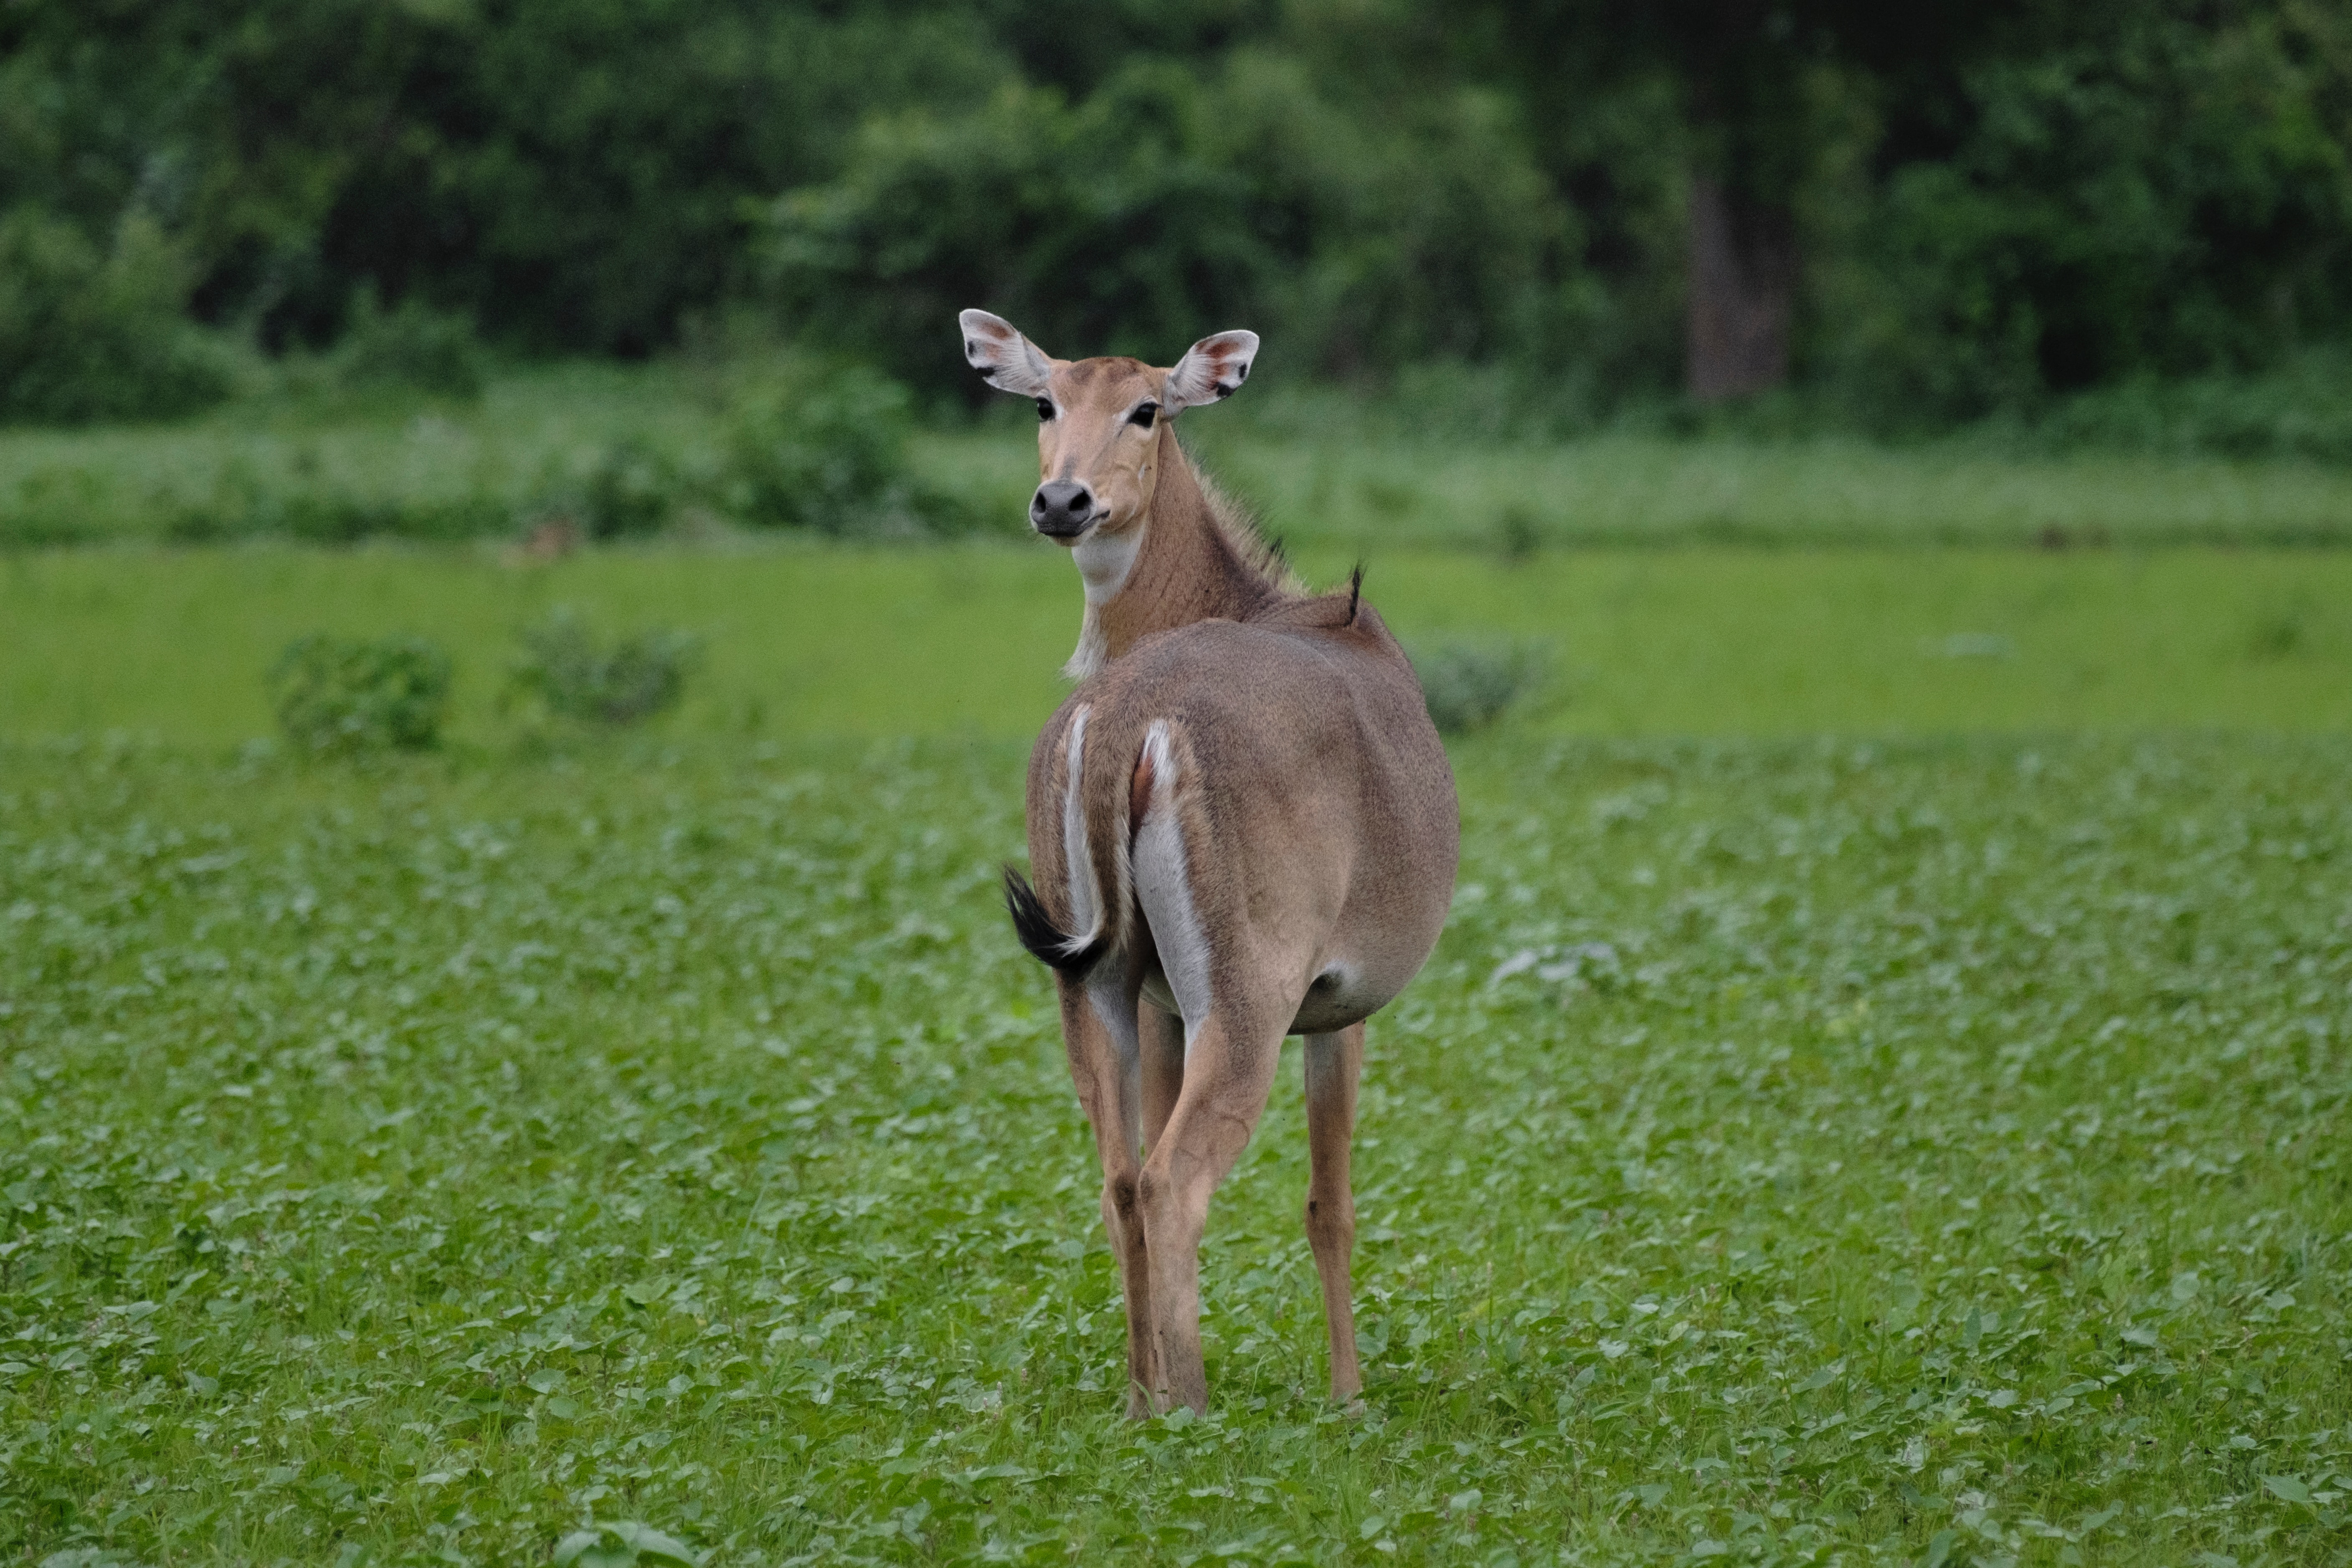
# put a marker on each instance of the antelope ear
(1009, 362)
(1211, 369)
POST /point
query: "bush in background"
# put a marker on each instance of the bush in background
(1468, 685)
(2301, 409)
(630, 492)
(335, 697)
(823, 445)
(1172, 197)
(242, 503)
(89, 334)
(566, 671)
(409, 348)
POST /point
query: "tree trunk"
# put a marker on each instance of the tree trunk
(1743, 279)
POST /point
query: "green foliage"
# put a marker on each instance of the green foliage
(1170, 198)
(1795, 1150)
(630, 488)
(626, 451)
(569, 172)
(2160, 190)
(90, 332)
(622, 1545)
(822, 446)
(240, 504)
(341, 697)
(569, 672)
(1469, 685)
(630, 492)
(2301, 409)
(411, 348)
(1992, 206)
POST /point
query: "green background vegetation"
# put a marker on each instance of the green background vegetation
(1960, 211)
(823, 641)
(689, 448)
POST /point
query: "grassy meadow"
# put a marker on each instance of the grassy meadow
(1798, 1151)
(1881, 1097)
(1324, 470)
(807, 640)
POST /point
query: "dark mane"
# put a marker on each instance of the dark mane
(1264, 557)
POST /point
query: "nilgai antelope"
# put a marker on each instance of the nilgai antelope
(1241, 827)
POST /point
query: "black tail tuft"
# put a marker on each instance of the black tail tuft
(1355, 590)
(1046, 942)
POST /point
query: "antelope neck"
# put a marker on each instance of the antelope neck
(1175, 567)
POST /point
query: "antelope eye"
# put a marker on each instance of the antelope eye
(1144, 414)
(1045, 409)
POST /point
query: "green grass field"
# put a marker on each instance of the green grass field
(1798, 1151)
(1882, 1096)
(966, 639)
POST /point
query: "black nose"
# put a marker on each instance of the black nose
(1062, 507)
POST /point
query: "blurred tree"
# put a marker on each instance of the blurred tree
(234, 131)
(1759, 88)
(578, 173)
(1167, 202)
(1925, 211)
(572, 173)
(2129, 190)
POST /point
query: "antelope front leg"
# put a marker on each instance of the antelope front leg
(1099, 1028)
(1333, 1062)
(1227, 1076)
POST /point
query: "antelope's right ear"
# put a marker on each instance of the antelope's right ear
(1009, 362)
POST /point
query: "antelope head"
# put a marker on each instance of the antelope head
(1099, 421)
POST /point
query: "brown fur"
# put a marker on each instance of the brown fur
(1284, 867)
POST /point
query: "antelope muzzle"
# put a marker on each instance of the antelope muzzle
(1062, 509)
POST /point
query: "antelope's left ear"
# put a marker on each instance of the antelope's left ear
(1009, 362)
(1211, 369)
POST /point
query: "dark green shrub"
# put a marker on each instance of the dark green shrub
(411, 348)
(2301, 409)
(336, 696)
(567, 672)
(1469, 684)
(629, 492)
(1172, 196)
(822, 449)
(824, 446)
(88, 334)
(242, 504)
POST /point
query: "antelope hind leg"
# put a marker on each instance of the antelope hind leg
(1161, 1035)
(1228, 1071)
(1333, 1062)
(1099, 1028)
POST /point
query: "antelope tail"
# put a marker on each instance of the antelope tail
(1045, 940)
(1107, 781)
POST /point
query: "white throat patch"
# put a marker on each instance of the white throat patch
(1105, 563)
